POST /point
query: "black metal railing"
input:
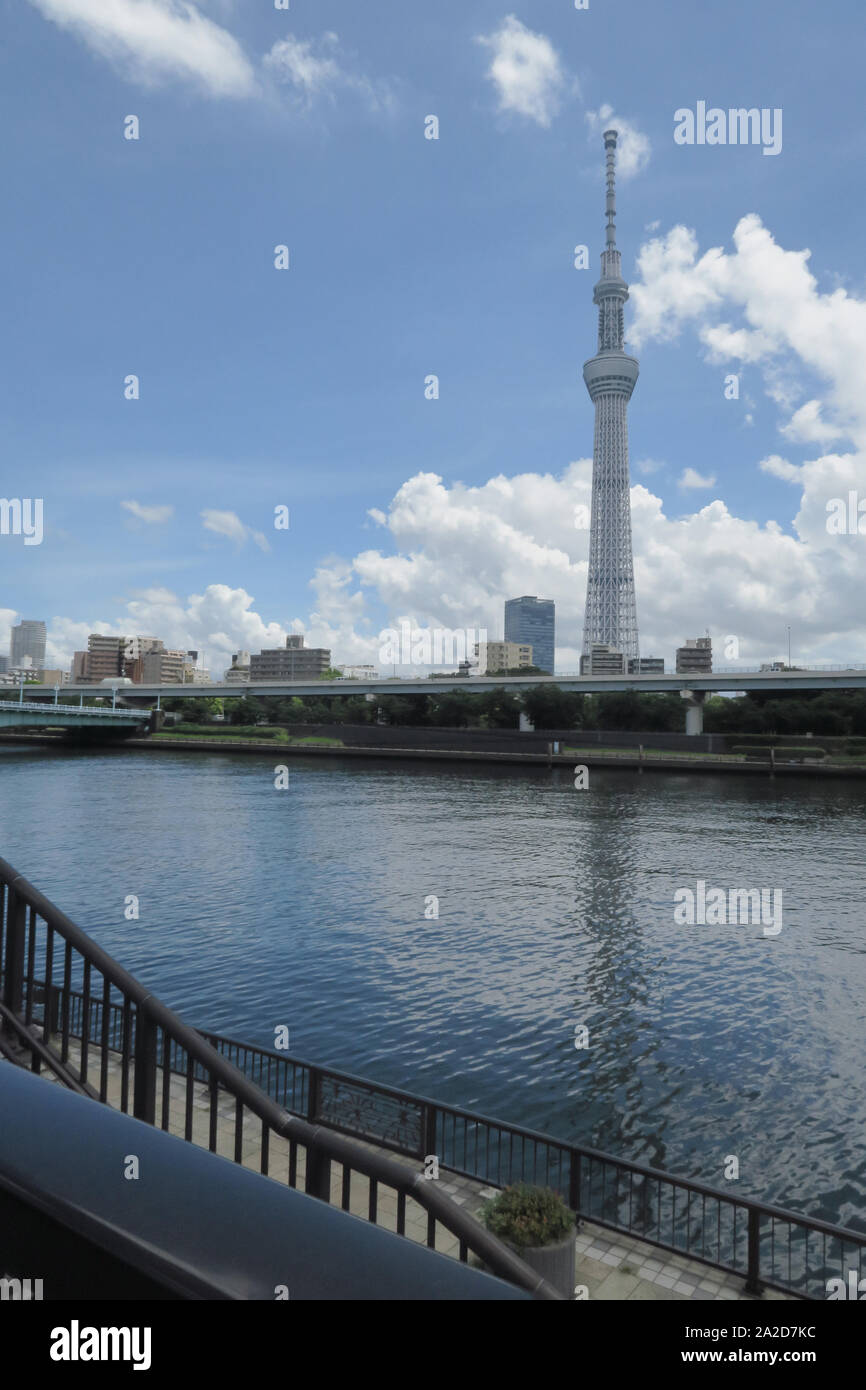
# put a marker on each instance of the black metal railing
(61, 994)
(89, 1237)
(765, 1245)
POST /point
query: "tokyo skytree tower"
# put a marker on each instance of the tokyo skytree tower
(611, 615)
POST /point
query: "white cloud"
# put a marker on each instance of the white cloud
(761, 303)
(459, 551)
(690, 478)
(807, 427)
(526, 71)
(313, 68)
(66, 636)
(787, 326)
(8, 616)
(781, 468)
(673, 287)
(217, 622)
(633, 147)
(152, 515)
(230, 525)
(154, 40)
(294, 61)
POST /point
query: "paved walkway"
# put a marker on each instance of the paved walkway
(620, 1267)
(609, 1265)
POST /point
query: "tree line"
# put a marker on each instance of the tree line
(837, 712)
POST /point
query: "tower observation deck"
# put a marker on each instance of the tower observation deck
(611, 613)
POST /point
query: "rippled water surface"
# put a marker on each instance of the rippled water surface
(556, 908)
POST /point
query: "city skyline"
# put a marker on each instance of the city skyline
(306, 388)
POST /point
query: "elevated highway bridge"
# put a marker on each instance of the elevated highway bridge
(693, 688)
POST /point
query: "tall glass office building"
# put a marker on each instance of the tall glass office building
(531, 619)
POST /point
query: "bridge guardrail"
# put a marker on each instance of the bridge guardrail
(86, 711)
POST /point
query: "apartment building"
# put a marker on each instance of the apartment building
(294, 662)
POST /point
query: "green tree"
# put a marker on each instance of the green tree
(410, 710)
(548, 707)
(499, 709)
(620, 709)
(360, 710)
(316, 711)
(194, 709)
(453, 709)
(247, 710)
(661, 713)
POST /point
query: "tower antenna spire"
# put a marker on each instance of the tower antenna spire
(610, 139)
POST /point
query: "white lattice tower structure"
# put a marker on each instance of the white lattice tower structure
(611, 614)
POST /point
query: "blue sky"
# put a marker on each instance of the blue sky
(410, 257)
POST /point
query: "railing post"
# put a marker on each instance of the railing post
(753, 1282)
(51, 1012)
(144, 1086)
(574, 1184)
(314, 1091)
(317, 1182)
(13, 980)
(429, 1132)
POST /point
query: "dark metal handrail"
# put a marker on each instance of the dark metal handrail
(89, 1239)
(148, 1023)
(26, 1041)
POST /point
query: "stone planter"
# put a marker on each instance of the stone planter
(555, 1263)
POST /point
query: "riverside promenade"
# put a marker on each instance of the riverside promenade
(609, 1265)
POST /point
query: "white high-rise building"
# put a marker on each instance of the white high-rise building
(28, 639)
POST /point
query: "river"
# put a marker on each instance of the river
(306, 907)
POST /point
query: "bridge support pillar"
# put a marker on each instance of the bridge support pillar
(157, 719)
(694, 710)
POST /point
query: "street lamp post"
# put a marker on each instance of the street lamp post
(789, 648)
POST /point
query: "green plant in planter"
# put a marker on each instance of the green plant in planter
(527, 1216)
